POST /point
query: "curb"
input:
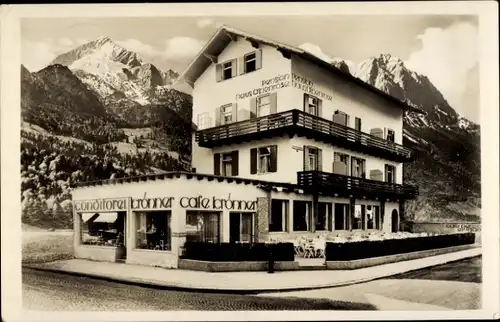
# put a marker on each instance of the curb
(185, 288)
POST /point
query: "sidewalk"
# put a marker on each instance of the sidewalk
(242, 282)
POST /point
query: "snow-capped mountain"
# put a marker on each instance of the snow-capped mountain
(111, 70)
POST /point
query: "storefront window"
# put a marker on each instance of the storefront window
(102, 229)
(203, 226)
(279, 215)
(153, 230)
(340, 216)
(301, 215)
(357, 217)
(324, 219)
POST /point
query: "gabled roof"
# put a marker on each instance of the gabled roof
(223, 37)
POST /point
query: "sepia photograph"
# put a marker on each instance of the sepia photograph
(233, 161)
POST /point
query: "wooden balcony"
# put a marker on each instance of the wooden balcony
(332, 184)
(296, 122)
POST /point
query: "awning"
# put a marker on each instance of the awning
(108, 217)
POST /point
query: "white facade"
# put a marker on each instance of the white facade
(288, 79)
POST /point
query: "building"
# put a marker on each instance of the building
(286, 145)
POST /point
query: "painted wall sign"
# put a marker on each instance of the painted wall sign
(202, 202)
(100, 205)
(297, 148)
(307, 86)
(151, 203)
(267, 86)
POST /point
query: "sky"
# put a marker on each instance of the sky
(442, 47)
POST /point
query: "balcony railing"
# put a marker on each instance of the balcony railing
(343, 186)
(296, 122)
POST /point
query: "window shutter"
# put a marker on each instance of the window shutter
(306, 158)
(258, 59)
(217, 164)
(274, 103)
(385, 133)
(305, 103)
(253, 161)
(319, 160)
(320, 108)
(363, 217)
(217, 116)
(234, 68)
(218, 72)
(241, 65)
(234, 112)
(234, 163)
(274, 158)
(336, 157)
(347, 120)
(253, 107)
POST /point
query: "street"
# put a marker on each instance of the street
(51, 291)
(452, 286)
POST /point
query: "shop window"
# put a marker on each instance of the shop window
(102, 229)
(358, 217)
(373, 217)
(153, 230)
(203, 226)
(324, 219)
(278, 218)
(240, 227)
(341, 216)
(302, 215)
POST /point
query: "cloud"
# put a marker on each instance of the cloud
(138, 47)
(182, 48)
(36, 55)
(204, 23)
(315, 50)
(446, 57)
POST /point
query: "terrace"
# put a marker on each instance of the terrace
(296, 122)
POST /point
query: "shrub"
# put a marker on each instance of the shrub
(237, 252)
(377, 248)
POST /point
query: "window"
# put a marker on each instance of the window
(341, 163)
(324, 219)
(357, 217)
(358, 167)
(153, 230)
(226, 164)
(263, 105)
(341, 118)
(312, 104)
(390, 135)
(264, 159)
(340, 216)
(250, 62)
(227, 70)
(226, 113)
(390, 173)
(278, 219)
(102, 229)
(312, 159)
(204, 121)
(357, 124)
(301, 215)
(240, 227)
(373, 217)
(202, 226)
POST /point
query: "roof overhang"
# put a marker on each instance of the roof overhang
(225, 35)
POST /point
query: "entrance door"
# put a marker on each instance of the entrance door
(395, 221)
(234, 227)
(120, 226)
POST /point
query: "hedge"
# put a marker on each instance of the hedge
(376, 248)
(237, 252)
